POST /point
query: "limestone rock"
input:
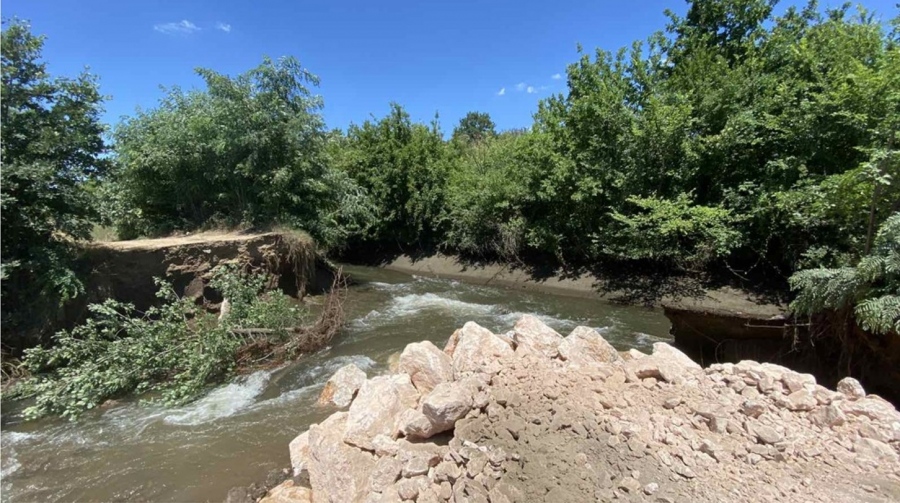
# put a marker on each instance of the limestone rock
(586, 345)
(767, 434)
(872, 407)
(385, 473)
(875, 450)
(450, 346)
(426, 365)
(414, 424)
(343, 386)
(446, 404)
(851, 388)
(661, 349)
(338, 472)
(827, 415)
(478, 350)
(288, 492)
(532, 334)
(377, 409)
(800, 400)
(299, 450)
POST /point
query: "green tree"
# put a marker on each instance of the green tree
(246, 150)
(474, 127)
(404, 168)
(52, 148)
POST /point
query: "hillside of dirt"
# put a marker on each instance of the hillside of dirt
(530, 415)
(125, 270)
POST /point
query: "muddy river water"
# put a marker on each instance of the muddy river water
(240, 431)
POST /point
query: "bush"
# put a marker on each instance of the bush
(871, 289)
(674, 231)
(248, 150)
(175, 350)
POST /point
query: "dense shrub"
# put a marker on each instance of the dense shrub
(246, 150)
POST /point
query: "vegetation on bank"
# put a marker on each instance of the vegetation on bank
(733, 138)
(173, 351)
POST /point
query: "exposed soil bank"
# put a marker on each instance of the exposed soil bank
(538, 417)
(125, 270)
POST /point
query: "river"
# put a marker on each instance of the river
(240, 431)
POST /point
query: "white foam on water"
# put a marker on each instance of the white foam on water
(8, 440)
(646, 339)
(411, 304)
(222, 402)
(314, 377)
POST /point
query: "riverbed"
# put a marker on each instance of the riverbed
(240, 431)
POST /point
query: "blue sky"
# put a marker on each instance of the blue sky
(499, 57)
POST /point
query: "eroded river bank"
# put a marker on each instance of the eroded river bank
(238, 433)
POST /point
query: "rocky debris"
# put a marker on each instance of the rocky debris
(343, 386)
(585, 345)
(377, 409)
(338, 471)
(476, 349)
(447, 404)
(299, 451)
(426, 365)
(531, 335)
(288, 492)
(535, 417)
(851, 388)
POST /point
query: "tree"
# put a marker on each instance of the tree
(404, 167)
(474, 127)
(246, 150)
(52, 147)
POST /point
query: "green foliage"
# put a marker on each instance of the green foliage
(871, 289)
(486, 197)
(675, 231)
(174, 351)
(246, 150)
(51, 148)
(404, 168)
(474, 127)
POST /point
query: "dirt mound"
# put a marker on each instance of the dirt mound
(539, 417)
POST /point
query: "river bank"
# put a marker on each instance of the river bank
(534, 416)
(648, 290)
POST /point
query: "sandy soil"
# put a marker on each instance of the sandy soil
(212, 237)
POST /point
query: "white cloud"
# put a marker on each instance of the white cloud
(530, 90)
(556, 76)
(501, 92)
(521, 86)
(223, 26)
(183, 27)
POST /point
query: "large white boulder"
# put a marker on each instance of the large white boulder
(426, 365)
(477, 350)
(343, 386)
(338, 472)
(585, 345)
(532, 335)
(447, 404)
(377, 409)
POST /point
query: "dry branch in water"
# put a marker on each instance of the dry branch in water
(263, 346)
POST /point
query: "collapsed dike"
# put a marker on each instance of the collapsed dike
(530, 415)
